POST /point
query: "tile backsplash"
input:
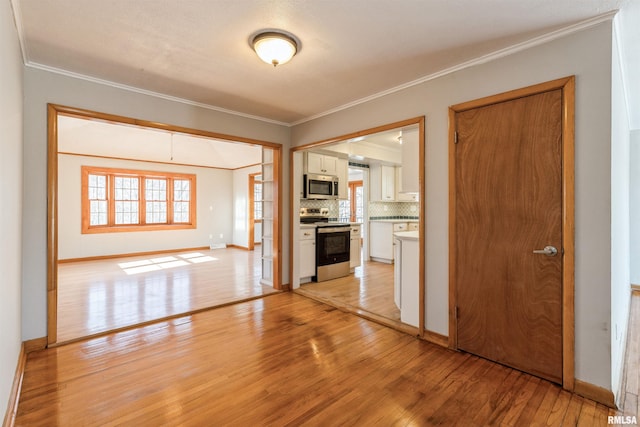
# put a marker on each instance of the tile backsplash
(333, 205)
(377, 210)
(394, 210)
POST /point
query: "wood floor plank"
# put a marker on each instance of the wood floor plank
(587, 413)
(370, 289)
(519, 401)
(474, 393)
(283, 360)
(632, 362)
(545, 408)
(572, 414)
(101, 295)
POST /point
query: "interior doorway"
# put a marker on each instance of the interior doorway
(369, 289)
(154, 216)
(355, 200)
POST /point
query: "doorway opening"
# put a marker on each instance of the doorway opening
(146, 223)
(381, 179)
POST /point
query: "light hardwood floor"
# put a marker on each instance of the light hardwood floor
(283, 360)
(104, 295)
(631, 382)
(369, 291)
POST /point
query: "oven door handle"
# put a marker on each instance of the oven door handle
(324, 230)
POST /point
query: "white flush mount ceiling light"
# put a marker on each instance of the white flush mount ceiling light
(275, 47)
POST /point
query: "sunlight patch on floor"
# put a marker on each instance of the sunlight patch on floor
(155, 264)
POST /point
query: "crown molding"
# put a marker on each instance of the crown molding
(536, 41)
(17, 21)
(79, 76)
(571, 29)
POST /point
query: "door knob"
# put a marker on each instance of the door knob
(548, 251)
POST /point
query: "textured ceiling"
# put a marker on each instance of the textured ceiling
(198, 50)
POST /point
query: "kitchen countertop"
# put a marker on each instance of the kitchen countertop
(394, 220)
(304, 226)
(407, 235)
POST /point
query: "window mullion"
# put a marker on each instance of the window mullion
(143, 200)
(170, 191)
(111, 206)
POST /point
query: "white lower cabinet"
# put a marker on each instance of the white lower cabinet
(354, 248)
(307, 253)
(409, 285)
(381, 239)
(397, 274)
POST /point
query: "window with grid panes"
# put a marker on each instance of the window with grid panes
(155, 200)
(257, 197)
(97, 197)
(181, 200)
(128, 200)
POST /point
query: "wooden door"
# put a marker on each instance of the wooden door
(508, 203)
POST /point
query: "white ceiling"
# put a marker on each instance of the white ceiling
(198, 50)
(112, 140)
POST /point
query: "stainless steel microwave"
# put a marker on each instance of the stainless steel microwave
(320, 186)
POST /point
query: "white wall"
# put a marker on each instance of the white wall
(586, 54)
(241, 205)
(620, 226)
(42, 87)
(213, 206)
(634, 206)
(11, 79)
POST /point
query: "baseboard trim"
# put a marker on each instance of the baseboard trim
(100, 257)
(436, 338)
(35, 344)
(596, 393)
(238, 247)
(14, 396)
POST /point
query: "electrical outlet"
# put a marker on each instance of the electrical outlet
(210, 236)
(221, 236)
(385, 208)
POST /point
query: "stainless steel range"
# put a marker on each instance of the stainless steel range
(332, 244)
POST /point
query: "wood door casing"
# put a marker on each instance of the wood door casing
(509, 201)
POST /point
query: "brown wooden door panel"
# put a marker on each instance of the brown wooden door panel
(508, 174)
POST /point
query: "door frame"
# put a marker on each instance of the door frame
(53, 111)
(420, 121)
(252, 211)
(352, 194)
(567, 85)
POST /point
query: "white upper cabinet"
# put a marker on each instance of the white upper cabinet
(343, 178)
(400, 196)
(409, 182)
(321, 164)
(382, 180)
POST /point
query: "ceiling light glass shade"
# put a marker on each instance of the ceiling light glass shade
(275, 48)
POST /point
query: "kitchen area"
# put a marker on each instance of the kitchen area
(358, 240)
